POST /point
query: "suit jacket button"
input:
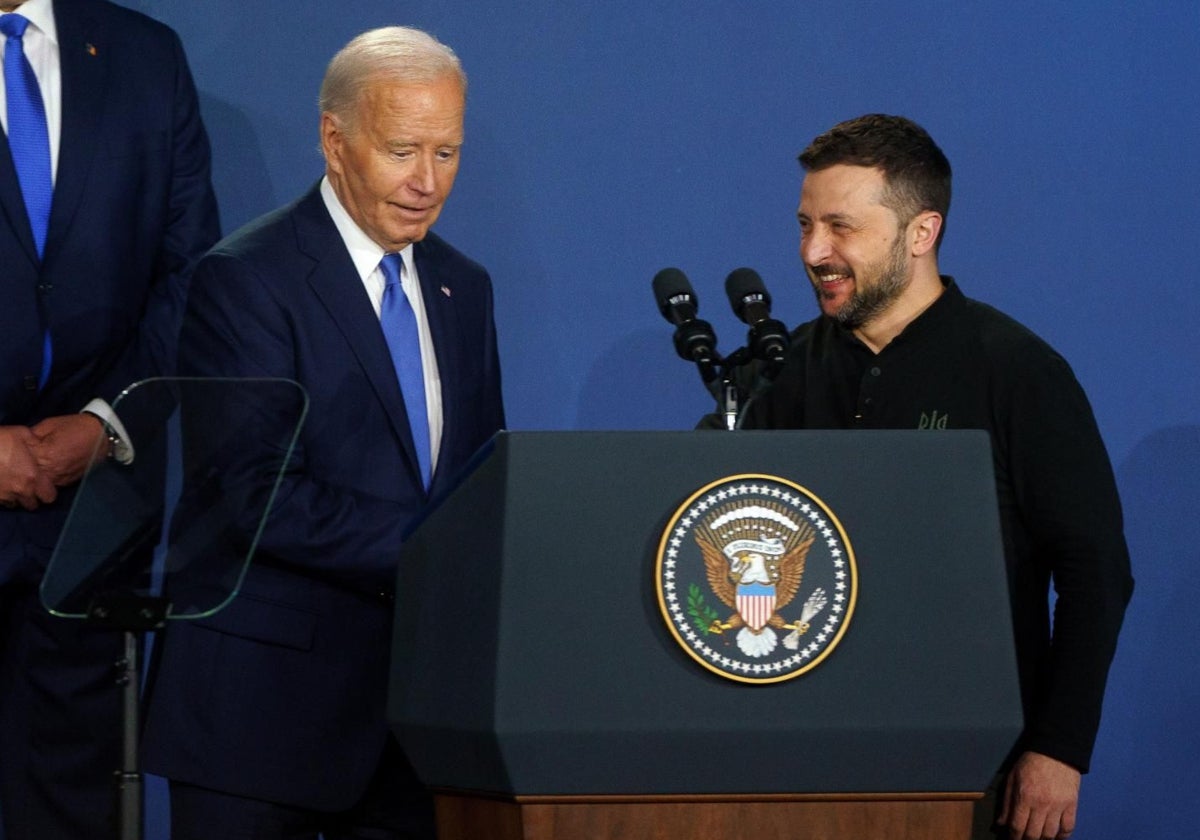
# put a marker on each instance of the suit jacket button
(31, 383)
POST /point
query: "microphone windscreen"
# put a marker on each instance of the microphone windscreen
(669, 283)
(743, 283)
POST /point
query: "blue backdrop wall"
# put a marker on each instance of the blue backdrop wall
(608, 140)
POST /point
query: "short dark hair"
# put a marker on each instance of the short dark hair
(916, 171)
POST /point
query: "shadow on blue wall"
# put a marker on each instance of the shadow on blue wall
(240, 173)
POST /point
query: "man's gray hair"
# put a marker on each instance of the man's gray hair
(396, 53)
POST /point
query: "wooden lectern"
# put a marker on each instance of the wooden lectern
(537, 688)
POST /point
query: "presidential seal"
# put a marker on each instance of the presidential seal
(756, 578)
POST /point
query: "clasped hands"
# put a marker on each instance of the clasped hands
(36, 461)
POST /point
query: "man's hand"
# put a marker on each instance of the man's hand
(22, 481)
(67, 445)
(1040, 798)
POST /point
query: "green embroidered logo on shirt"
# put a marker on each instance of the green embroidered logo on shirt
(933, 420)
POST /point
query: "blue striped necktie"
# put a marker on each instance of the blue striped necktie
(29, 142)
(404, 343)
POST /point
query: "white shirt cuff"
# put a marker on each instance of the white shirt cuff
(122, 447)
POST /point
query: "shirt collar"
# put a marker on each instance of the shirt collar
(936, 315)
(40, 13)
(364, 251)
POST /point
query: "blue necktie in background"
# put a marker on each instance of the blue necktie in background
(29, 142)
(404, 342)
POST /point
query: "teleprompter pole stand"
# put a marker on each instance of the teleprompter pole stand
(132, 614)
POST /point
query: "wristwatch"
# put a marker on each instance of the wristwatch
(119, 449)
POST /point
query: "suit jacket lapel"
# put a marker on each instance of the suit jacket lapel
(437, 292)
(335, 282)
(12, 203)
(83, 57)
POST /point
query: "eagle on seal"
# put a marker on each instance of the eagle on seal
(754, 557)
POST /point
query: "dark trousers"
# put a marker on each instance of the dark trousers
(60, 725)
(394, 807)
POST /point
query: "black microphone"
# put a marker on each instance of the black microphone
(694, 338)
(751, 302)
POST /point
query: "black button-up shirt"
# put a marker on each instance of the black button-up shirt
(963, 365)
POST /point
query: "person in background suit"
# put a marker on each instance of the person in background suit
(106, 205)
(269, 717)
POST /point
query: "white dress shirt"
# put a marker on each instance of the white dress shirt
(366, 255)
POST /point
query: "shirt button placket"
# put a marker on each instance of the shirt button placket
(866, 395)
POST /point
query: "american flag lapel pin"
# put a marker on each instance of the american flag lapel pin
(446, 291)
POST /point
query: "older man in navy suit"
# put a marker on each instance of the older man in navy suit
(269, 717)
(105, 207)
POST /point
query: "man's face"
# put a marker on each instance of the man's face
(393, 166)
(854, 249)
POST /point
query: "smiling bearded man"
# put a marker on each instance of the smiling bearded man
(898, 341)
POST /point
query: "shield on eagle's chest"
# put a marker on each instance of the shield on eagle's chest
(756, 604)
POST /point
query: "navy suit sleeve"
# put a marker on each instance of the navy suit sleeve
(323, 518)
(191, 228)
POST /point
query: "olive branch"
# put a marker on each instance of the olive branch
(702, 614)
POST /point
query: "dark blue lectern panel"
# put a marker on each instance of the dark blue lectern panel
(531, 656)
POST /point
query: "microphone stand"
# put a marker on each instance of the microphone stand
(733, 399)
(729, 393)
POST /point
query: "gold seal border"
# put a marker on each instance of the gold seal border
(666, 613)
